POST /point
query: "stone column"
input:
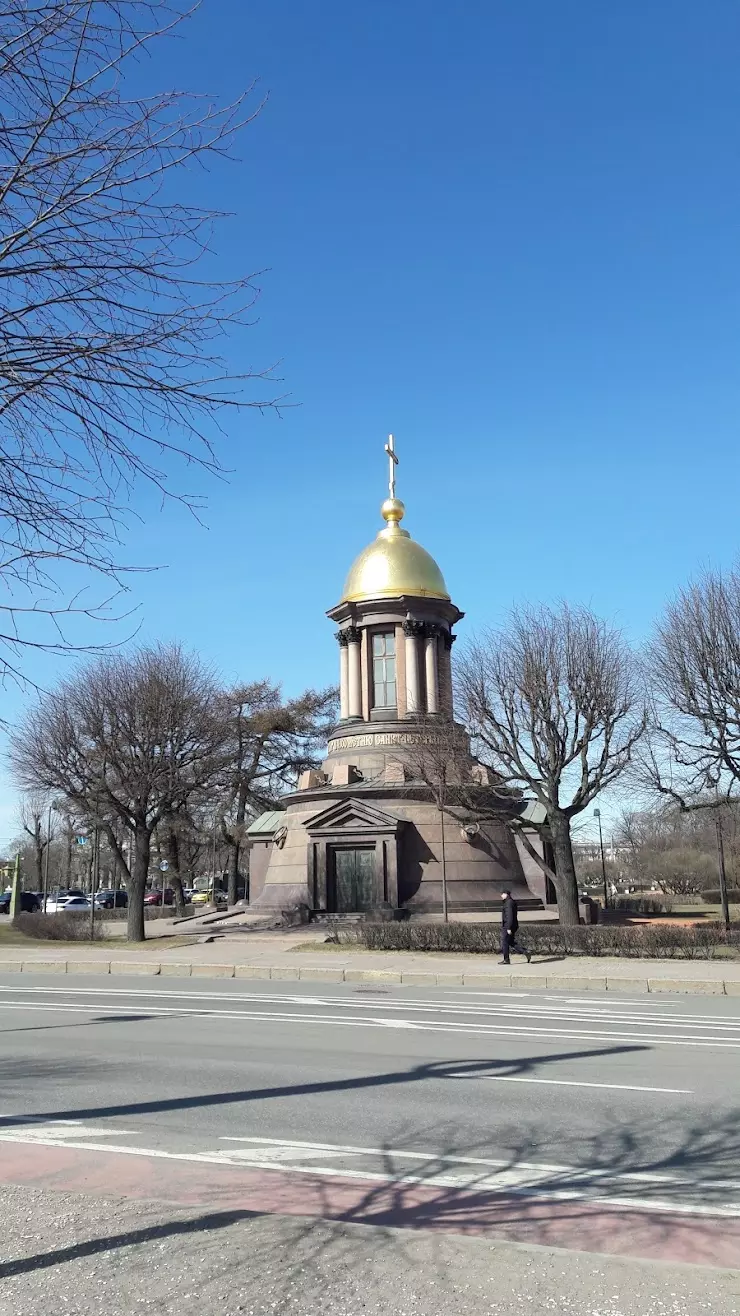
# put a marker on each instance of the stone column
(354, 672)
(412, 630)
(445, 672)
(343, 642)
(431, 668)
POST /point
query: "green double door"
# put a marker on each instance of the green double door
(352, 888)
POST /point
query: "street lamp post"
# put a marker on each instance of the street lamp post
(46, 858)
(597, 814)
(213, 873)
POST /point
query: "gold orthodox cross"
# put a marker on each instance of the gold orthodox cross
(390, 448)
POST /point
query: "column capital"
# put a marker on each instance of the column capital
(353, 633)
(342, 639)
(434, 630)
(411, 627)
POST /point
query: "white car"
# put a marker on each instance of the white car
(66, 902)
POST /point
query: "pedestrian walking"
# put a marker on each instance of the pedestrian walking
(509, 929)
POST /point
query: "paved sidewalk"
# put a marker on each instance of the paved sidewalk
(278, 956)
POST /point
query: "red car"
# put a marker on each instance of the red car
(155, 897)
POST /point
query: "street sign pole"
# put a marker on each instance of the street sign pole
(94, 879)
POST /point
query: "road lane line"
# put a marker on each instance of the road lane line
(518, 1181)
(601, 1013)
(490, 1030)
(572, 1083)
(543, 1167)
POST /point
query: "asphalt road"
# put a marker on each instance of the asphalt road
(601, 1124)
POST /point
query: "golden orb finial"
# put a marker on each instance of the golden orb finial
(392, 511)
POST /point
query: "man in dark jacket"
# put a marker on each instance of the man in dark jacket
(509, 929)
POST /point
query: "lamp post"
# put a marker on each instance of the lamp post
(46, 858)
(597, 814)
(213, 874)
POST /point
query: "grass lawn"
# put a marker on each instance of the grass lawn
(10, 936)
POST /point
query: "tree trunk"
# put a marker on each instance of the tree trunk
(233, 872)
(173, 858)
(566, 885)
(141, 847)
(38, 862)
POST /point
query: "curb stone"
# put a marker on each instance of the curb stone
(705, 987)
(489, 980)
(578, 984)
(139, 968)
(372, 975)
(631, 986)
(419, 978)
(321, 975)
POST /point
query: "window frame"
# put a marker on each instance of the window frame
(385, 634)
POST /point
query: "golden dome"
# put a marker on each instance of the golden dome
(393, 564)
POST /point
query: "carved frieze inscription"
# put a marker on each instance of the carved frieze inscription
(372, 742)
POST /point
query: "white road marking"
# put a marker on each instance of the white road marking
(534, 1034)
(601, 1012)
(544, 1167)
(522, 1181)
(571, 1083)
(65, 1129)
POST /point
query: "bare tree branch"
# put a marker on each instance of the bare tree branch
(127, 742)
(111, 330)
(554, 704)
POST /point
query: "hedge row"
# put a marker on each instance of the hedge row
(648, 942)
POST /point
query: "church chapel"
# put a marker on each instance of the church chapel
(363, 834)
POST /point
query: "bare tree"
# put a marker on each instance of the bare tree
(127, 740)
(554, 703)
(109, 371)
(673, 848)
(271, 740)
(692, 753)
(33, 812)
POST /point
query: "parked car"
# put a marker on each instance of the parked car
(208, 898)
(30, 902)
(61, 904)
(109, 899)
(155, 897)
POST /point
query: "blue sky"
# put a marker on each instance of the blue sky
(507, 231)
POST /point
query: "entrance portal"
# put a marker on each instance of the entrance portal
(352, 880)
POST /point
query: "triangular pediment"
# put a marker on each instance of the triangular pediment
(352, 815)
